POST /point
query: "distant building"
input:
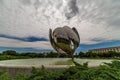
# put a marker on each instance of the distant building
(105, 50)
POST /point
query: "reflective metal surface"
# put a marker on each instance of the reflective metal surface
(64, 39)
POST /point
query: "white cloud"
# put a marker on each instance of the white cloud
(96, 21)
(5, 42)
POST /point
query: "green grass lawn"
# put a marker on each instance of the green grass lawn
(67, 62)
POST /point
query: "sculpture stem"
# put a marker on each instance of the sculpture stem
(76, 63)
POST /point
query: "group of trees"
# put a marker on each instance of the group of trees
(11, 54)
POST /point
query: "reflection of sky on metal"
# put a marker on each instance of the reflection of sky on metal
(64, 39)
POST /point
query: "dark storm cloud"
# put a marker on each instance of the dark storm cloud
(35, 3)
(71, 9)
(25, 2)
(1, 1)
(114, 22)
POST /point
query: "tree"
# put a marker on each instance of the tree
(31, 54)
(62, 55)
(81, 54)
(10, 52)
(41, 55)
(52, 55)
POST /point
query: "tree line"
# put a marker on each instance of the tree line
(11, 54)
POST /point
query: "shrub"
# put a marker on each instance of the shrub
(109, 71)
(4, 76)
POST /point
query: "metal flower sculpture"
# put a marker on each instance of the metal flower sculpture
(64, 40)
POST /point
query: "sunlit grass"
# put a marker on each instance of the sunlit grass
(68, 62)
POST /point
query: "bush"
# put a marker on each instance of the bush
(4, 76)
(109, 71)
(10, 52)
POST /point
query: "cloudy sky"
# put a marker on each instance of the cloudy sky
(25, 24)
